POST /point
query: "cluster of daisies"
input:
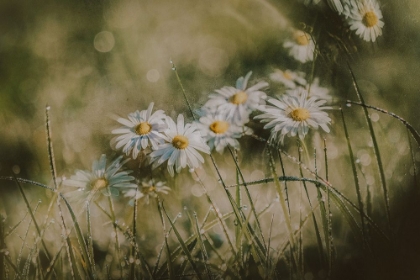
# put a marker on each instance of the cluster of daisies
(364, 17)
(222, 121)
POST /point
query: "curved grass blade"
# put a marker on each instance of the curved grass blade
(355, 177)
(182, 243)
(375, 148)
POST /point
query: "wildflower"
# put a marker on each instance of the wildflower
(146, 190)
(288, 78)
(301, 47)
(108, 180)
(141, 129)
(218, 132)
(293, 115)
(364, 16)
(312, 89)
(336, 5)
(183, 141)
(237, 103)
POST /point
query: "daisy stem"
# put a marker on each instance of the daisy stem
(305, 148)
(117, 243)
(284, 208)
(183, 90)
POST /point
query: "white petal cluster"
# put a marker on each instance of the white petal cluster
(182, 143)
(219, 133)
(293, 115)
(312, 89)
(235, 104)
(108, 180)
(365, 18)
(147, 189)
(301, 46)
(290, 79)
(141, 130)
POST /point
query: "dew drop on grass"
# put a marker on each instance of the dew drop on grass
(348, 104)
(245, 207)
(179, 215)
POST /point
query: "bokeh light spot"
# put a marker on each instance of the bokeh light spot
(153, 75)
(104, 41)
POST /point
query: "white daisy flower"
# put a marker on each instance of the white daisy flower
(310, 2)
(141, 129)
(293, 115)
(288, 78)
(364, 16)
(336, 5)
(181, 147)
(313, 89)
(237, 103)
(301, 47)
(218, 132)
(108, 180)
(147, 190)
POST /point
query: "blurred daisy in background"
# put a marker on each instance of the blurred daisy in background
(146, 190)
(312, 89)
(219, 133)
(293, 115)
(301, 46)
(108, 180)
(237, 103)
(290, 79)
(365, 17)
(181, 148)
(141, 129)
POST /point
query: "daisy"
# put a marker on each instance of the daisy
(237, 103)
(108, 180)
(288, 78)
(141, 129)
(313, 89)
(301, 47)
(364, 16)
(293, 115)
(180, 149)
(336, 5)
(147, 190)
(219, 133)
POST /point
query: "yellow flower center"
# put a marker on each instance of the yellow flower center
(239, 98)
(147, 190)
(299, 114)
(219, 127)
(143, 128)
(99, 184)
(287, 75)
(370, 19)
(301, 38)
(180, 142)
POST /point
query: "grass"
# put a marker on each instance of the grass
(330, 206)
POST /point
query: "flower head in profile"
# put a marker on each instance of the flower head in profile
(365, 17)
(237, 103)
(288, 78)
(301, 46)
(219, 133)
(141, 129)
(183, 141)
(293, 115)
(145, 190)
(109, 180)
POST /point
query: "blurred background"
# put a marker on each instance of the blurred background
(93, 60)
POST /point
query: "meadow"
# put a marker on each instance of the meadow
(209, 140)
